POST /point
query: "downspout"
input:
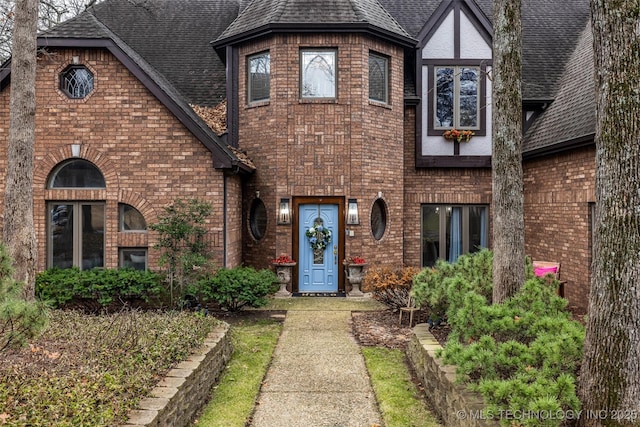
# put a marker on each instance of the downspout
(224, 219)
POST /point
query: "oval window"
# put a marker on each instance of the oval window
(378, 219)
(258, 219)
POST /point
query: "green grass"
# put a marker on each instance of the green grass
(234, 397)
(400, 401)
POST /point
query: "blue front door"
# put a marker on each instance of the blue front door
(318, 253)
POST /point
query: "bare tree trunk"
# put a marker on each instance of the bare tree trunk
(508, 200)
(610, 372)
(19, 233)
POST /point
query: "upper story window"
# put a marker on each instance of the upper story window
(76, 81)
(457, 97)
(76, 173)
(259, 79)
(318, 73)
(378, 78)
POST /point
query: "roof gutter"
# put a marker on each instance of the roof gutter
(307, 28)
(583, 141)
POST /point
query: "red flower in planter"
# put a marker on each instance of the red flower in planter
(355, 260)
(283, 259)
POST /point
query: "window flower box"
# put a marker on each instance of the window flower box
(458, 135)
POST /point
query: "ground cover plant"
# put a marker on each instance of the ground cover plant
(234, 397)
(401, 403)
(522, 355)
(88, 370)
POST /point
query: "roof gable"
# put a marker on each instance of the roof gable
(88, 31)
(456, 31)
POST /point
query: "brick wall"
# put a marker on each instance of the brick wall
(558, 192)
(348, 147)
(184, 391)
(148, 158)
(435, 185)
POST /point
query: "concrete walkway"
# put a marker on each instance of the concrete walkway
(317, 375)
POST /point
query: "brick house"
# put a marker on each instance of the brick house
(336, 119)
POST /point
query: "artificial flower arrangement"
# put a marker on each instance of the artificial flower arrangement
(357, 260)
(283, 259)
(458, 135)
(319, 237)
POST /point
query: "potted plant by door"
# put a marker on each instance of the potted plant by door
(354, 267)
(283, 265)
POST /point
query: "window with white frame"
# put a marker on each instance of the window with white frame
(449, 231)
(259, 77)
(378, 78)
(456, 97)
(318, 73)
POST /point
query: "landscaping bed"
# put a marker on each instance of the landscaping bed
(92, 370)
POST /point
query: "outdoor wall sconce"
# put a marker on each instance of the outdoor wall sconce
(352, 212)
(284, 213)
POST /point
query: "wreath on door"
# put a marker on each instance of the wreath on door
(319, 236)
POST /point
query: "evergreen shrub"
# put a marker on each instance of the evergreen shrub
(446, 284)
(97, 288)
(522, 355)
(389, 284)
(237, 287)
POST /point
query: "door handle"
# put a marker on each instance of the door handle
(335, 254)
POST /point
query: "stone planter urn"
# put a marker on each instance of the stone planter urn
(355, 274)
(284, 272)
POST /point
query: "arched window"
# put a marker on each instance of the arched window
(76, 173)
(131, 219)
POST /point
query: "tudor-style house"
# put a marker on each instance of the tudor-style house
(368, 121)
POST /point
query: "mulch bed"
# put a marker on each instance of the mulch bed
(381, 329)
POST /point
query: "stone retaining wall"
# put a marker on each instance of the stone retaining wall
(185, 389)
(456, 406)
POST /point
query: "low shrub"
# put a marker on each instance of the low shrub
(20, 320)
(237, 287)
(446, 284)
(522, 355)
(389, 284)
(97, 289)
